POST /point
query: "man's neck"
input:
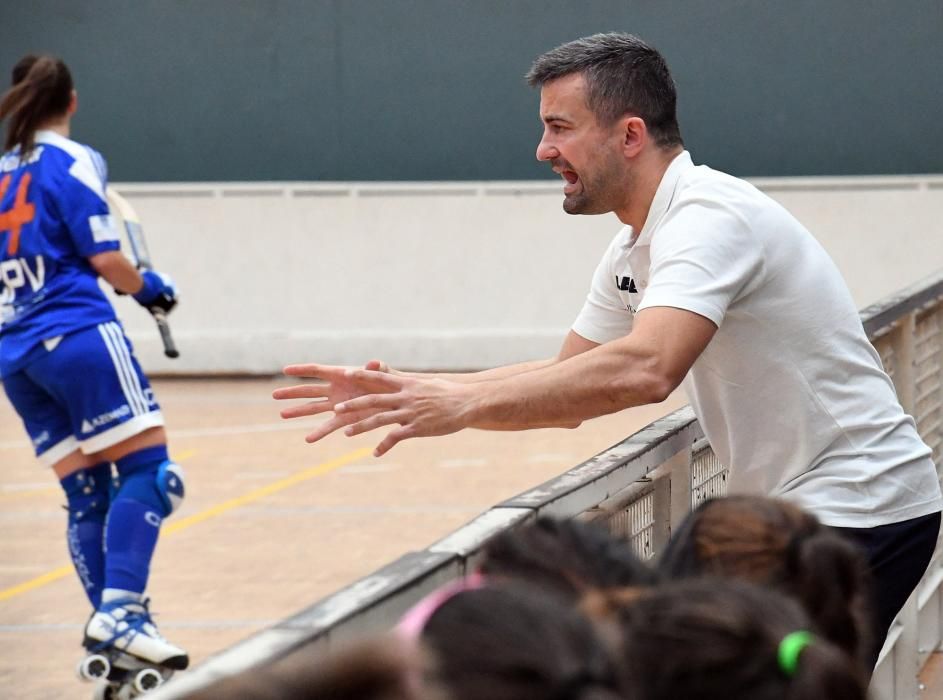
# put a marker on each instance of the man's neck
(647, 176)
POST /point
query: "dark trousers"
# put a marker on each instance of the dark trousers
(898, 555)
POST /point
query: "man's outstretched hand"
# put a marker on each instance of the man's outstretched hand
(374, 397)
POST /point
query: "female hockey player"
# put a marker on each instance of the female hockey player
(69, 370)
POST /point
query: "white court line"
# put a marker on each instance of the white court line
(461, 463)
(200, 432)
(164, 624)
(245, 476)
(550, 457)
(31, 486)
(369, 468)
(18, 568)
(53, 512)
(216, 397)
(15, 444)
(358, 510)
(241, 429)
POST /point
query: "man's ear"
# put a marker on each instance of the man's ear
(73, 103)
(634, 135)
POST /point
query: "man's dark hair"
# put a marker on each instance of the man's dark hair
(624, 75)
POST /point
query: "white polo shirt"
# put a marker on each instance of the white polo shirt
(790, 392)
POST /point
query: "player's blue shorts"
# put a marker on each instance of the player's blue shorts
(87, 391)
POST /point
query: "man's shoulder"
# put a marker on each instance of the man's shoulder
(703, 182)
(706, 192)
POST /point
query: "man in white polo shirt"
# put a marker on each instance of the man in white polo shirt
(710, 282)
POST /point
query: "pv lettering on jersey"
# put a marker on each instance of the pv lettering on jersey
(17, 272)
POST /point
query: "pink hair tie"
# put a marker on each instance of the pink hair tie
(412, 623)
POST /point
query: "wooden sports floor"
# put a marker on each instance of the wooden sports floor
(270, 524)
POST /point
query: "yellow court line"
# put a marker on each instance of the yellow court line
(279, 485)
(46, 490)
(275, 487)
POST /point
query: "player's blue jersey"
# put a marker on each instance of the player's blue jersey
(53, 217)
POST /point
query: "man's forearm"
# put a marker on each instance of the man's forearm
(483, 375)
(563, 394)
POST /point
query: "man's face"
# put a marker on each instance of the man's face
(586, 154)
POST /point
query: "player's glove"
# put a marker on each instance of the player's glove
(158, 291)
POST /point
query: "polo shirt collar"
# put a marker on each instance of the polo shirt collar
(661, 201)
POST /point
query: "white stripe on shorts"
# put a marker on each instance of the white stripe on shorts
(121, 369)
(125, 354)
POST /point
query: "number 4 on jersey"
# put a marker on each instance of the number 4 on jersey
(20, 214)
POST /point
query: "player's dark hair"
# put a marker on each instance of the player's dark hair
(710, 639)
(41, 90)
(372, 669)
(567, 556)
(774, 543)
(624, 75)
(505, 642)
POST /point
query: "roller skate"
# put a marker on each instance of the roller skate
(126, 653)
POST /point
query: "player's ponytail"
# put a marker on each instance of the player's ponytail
(41, 90)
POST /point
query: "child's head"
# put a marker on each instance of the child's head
(505, 642)
(565, 556)
(774, 543)
(383, 668)
(713, 639)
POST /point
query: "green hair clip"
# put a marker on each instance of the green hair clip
(789, 650)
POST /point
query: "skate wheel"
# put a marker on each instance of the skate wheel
(147, 679)
(94, 667)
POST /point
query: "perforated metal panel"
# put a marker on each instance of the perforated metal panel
(888, 358)
(928, 375)
(635, 523)
(708, 475)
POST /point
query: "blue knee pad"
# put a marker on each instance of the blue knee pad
(170, 485)
(157, 484)
(87, 493)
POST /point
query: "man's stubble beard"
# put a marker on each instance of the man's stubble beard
(602, 193)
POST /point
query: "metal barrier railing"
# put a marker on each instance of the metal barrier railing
(642, 487)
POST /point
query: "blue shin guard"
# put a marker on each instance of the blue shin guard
(150, 486)
(87, 496)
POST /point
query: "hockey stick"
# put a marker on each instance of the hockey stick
(141, 257)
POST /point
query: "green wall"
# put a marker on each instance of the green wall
(433, 89)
